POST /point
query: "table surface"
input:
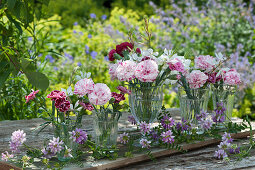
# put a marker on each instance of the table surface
(199, 159)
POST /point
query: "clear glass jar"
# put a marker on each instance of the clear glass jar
(192, 103)
(226, 95)
(145, 102)
(106, 128)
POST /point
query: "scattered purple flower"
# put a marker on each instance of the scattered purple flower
(6, 156)
(167, 122)
(79, 136)
(167, 137)
(145, 143)
(55, 145)
(145, 127)
(132, 120)
(220, 154)
(124, 138)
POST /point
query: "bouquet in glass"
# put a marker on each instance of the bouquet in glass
(224, 82)
(106, 108)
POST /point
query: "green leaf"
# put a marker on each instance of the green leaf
(39, 80)
(16, 23)
(27, 65)
(4, 75)
(11, 4)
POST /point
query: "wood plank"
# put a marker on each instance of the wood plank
(163, 152)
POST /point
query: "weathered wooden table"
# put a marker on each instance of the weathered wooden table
(200, 158)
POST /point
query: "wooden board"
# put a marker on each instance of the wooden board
(122, 162)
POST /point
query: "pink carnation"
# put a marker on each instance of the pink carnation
(147, 71)
(205, 62)
(31, 96)
(176, 65)
(232, 77)
(101, 94)
(54, 95)
(126, 70)
(123, 90)
(83, 87)
(196, 79)
(87, 106)
(112, 71)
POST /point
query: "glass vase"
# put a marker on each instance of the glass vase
(193, 103)
(224, 94)
(106, 128)
(145, 103)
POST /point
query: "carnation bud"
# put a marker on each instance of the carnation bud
(111, 101)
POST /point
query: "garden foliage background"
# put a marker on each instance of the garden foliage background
(45, 43)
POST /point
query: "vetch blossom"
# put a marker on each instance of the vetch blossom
(6, 156)
(67, 153)
(167, 137)
(31, 96)
(196, 79)
(205, 62)
(79, 136)
(83, 87)
(167, 122)
(145, 127)
(202, 116)
(207, 124)
(147, 71)
(124, 138)
(224, 145)
(55, 145)
(145, 143)
(47, 153)
(126, 70)
(17, 139)
(220, 154)
(227, 137)
(100, 95)
(132, 120)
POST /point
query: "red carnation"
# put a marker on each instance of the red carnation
(124, 46)
(54, 95)
(118, 97)
(111, 55)
(87, 106)
(146, 58)
(62, 104)
(138, 51)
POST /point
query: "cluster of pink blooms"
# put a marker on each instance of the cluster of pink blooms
(118, 97)
(100, 95)
(126, 70)
(232, 77)
(147, 71)
(83, 87)
(60, 100)
(31, 96)
(176, 65)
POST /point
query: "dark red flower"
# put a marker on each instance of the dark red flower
(123, 90)
(87, 106)
(138, 51)
(111, 55)
(146, 58)
(62, 104)
(212, 78)
(118, 97)
(124, 46)
(54, 95)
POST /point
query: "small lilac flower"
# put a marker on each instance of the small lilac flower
(145, 128)
(104, 17)
(74, 31)
(234, 150)
(6, 156)
(224, 145)
(207, 124)
(132, 120)
(220, 154)
(75, 23)
(145, 143)
(93, 54)
(81, 33)
(79, 136)
(67, 153)
(227, 137)
(30, 39)
(124, 138)
(201, 116)
(87, 49)
(106, 58)
(50, 58)
(218, 118)
(55, 145)
(154, 135)
(70, 57)
(184, 125)
(47, 153)
(92, 15)
(55, 68)
(17, 139)
(167, 122)
(167, 137)
(79, 64)
(89, 36)
(39, 55)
